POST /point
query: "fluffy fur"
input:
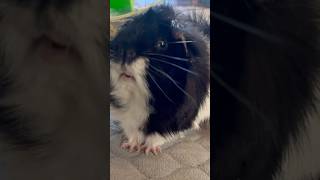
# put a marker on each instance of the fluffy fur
(265, 73)
(167, 56)
(52, 89)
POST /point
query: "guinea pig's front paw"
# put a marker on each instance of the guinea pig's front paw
(153, 143)
(133, 143)
(154, 149)
(131, 147)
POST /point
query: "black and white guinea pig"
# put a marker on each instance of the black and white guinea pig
(160, 76)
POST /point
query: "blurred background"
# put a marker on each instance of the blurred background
(143, 3)
(119, 7)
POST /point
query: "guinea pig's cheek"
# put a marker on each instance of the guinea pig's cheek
(139, 67)
(114, 71)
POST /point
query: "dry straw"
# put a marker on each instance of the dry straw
(118, 19)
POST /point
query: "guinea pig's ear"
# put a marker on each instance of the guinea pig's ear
(150, 16)
(162, 12)
(150, 13)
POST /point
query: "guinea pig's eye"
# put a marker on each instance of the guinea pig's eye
(162, 45)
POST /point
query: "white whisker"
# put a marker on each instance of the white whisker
(175, 65)
(180, 42)
(173, 59)
(167, 56)
(153, 79)
(173, 81)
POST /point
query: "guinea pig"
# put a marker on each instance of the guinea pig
(53, 79)
(160, 76)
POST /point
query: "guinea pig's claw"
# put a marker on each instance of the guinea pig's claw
(154, 150)
(124, 145)
(130, 147)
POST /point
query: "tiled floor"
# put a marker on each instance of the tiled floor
(187, 158)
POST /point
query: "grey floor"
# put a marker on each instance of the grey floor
(187, 158)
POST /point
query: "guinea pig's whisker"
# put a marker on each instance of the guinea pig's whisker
(167, 56)
(155, 82)
(180, 42)
(241, 98)
(184, 60)
(175, 65)
(247, 28)
(173, 81)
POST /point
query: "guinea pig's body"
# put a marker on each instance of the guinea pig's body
(160, 80)
(52, 89)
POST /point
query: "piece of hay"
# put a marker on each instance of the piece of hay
(113, 30)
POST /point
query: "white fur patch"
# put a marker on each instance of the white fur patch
(204, 112)
(155, 140)
(134, 94)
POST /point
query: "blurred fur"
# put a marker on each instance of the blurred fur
(265, 79)
(52, 109)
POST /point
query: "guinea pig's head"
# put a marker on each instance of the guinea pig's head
(157, 45)
(52, 77)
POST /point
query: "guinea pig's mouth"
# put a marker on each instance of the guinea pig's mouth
(127, 75)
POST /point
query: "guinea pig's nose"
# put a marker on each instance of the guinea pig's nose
(130, 55)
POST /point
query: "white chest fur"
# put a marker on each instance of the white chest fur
(134, 95)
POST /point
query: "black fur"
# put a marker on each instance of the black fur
(265, 62)
(173, 110)
(13, 128)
